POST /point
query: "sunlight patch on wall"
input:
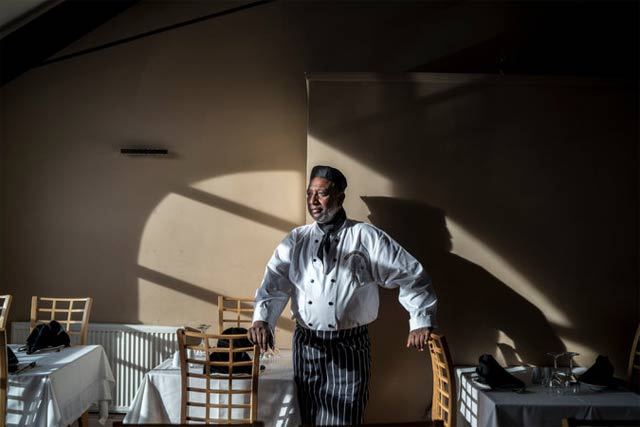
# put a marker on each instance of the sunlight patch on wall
(266, 191)
(358, 175)
(469, 247)
(189, 240)
(507, 351)
(172, 308)
(215, 236)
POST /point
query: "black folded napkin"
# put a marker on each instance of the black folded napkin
(46, 335)
(492, 374)
(600, 373)
(237, 356)
(12, 360)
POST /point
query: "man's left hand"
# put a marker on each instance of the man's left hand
(418, 338)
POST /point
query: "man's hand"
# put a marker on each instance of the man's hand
(418, 338)
(260, 334)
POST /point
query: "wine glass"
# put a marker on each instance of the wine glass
(203, 327)
(572, 380)
(270, 356)
(202, 354)
(555, 380)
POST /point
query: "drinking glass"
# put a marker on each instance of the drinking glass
(555, 380)
(200, 354)
(270, 356)
(541, 375)
(572, 380)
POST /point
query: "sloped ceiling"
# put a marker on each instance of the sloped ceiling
(38, 29)
(15, 13)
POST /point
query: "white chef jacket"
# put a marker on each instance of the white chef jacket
(341, 291)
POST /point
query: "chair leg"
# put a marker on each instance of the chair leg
(83, 421)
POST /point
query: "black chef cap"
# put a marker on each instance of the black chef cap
(332, 174)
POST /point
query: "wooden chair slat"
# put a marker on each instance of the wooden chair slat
(4, 376)
(231, 311)
(57, 306)
(443, 404)
(5, 305)
(224, 385)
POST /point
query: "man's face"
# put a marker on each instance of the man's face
(323, 200)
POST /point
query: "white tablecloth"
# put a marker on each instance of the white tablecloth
(479, 407)
(60, 388)
(159, 396)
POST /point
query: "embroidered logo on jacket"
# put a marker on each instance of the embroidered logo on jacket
(360, 267)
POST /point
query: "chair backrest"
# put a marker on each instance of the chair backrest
(119, 423)
(72, 313)
(234, 312)
(217, 397)
(422, 423)
(634, 363)
(443, 404)
(4, 377)
(5, 304)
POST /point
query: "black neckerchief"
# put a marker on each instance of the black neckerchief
(328, 228)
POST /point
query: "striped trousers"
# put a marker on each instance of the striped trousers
(332, 371)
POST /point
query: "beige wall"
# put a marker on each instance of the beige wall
(155, 240)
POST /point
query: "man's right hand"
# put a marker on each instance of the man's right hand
(260, 334)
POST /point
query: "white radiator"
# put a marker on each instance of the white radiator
(132, 350)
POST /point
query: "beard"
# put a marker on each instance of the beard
(326, 215)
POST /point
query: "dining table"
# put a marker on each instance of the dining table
(54, 387)
(480, 406)
(158, 399)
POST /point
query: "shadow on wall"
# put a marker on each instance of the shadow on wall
(473, 304)
(542, 172)
(197, 292)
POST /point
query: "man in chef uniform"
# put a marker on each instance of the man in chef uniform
(331, 271)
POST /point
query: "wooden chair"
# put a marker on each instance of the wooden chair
(201, 386)
(231, 311)
(574, 422)
(444, 389)
(72, 313)
(119, 423)
(634, 363)
(4, 377)
(5, 304)
(425, 423)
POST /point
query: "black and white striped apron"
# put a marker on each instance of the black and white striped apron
(332, 371)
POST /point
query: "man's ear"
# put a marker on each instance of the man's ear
(340, 199)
